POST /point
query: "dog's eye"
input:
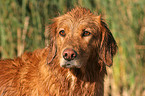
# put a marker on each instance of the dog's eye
(86, 33)
(62, 33)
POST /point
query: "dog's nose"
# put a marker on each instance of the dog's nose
(69, 54)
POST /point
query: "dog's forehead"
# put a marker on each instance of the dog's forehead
(78, 19)
(77, 25)
(69, 21)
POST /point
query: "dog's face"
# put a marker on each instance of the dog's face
(78, 36)
(74, 38)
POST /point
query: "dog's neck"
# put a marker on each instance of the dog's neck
(89, 79)
(89, 73)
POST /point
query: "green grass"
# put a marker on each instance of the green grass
(22, 27)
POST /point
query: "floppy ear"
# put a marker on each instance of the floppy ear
(52, 44)
(108, 45)
(52, 52)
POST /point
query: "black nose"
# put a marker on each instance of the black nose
(69, 54)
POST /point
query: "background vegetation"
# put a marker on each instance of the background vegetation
(22, 27)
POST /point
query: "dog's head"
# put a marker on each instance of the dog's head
(80, 36)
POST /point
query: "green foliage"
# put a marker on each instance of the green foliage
(22, 27)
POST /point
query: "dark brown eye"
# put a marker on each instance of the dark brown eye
(62, 33)
(86, 33)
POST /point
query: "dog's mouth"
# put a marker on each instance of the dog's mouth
(69, 64)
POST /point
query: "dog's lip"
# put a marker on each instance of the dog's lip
(67, 65)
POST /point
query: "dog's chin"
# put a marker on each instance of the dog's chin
(69, 64)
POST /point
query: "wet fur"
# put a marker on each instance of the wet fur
(39, 73)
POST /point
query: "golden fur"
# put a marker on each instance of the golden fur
(39, 73)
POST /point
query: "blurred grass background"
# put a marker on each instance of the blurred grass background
(22, 27)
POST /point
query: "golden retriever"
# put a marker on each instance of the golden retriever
(74, 64)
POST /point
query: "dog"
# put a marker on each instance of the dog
(74, 63)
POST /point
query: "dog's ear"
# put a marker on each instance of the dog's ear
(52, 44)
(108, 46)
(52, 52)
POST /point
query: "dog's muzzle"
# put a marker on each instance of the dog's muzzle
(68, 55)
